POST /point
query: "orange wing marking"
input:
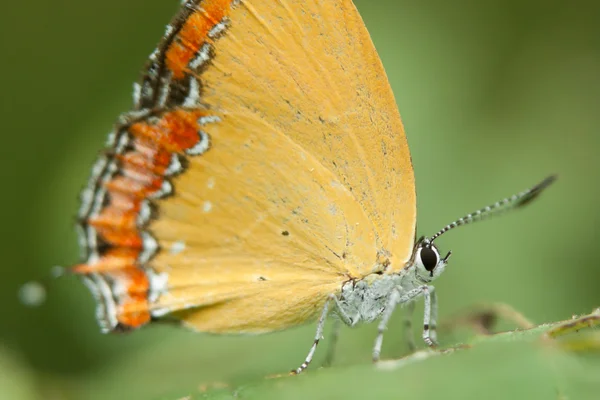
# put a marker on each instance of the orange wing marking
(148, 146)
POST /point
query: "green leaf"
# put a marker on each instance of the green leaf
(521, 364)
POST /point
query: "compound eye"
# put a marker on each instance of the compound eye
(429, 258)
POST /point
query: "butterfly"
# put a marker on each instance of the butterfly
(261, 180)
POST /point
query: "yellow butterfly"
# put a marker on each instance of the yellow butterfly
(262, 179)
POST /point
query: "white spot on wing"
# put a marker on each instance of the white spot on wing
(154, 55)
(177, 247)
(137, 93)
(158, 284)
(175, 166)
(207, 206)
(150, 247)
(208, 119)
(218, 29)
(144, 214)
(201, 146)
(165, 189)
(118, 288)
(202, 56)
(210, 183)
(129, 117)
(160, 312)
(194, 93)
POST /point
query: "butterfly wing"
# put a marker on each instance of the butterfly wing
(300, 178)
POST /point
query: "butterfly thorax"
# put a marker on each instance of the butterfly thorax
(364, 300)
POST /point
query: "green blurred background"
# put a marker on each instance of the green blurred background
(494, 96)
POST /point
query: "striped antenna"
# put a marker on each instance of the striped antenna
(510, 203)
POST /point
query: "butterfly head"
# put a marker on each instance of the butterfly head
(427, 260)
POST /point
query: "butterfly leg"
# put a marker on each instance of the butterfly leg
(385, 317)
(408, 328)
(335, 333)
(430, 317)
(318, 336)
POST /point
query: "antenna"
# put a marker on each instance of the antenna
(510, 203)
